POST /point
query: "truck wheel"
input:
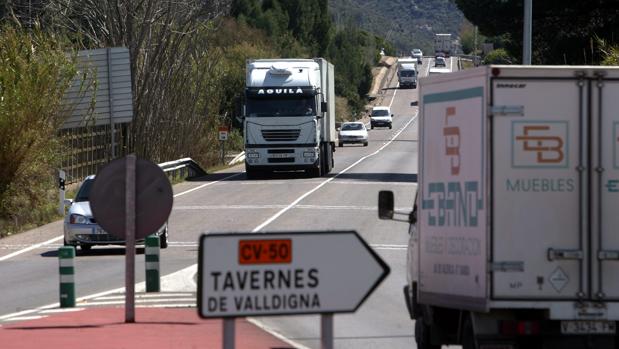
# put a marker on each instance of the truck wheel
(422, 335)
(468, 336)
(251, 173)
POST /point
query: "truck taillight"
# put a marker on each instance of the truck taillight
(520, 328)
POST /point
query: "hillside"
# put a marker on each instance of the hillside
(406, 23)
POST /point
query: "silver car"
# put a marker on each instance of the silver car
(81, 228)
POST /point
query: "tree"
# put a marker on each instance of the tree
(562, 30)
(498, 56)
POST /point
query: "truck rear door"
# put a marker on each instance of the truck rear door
(539, 180)
(605, 186)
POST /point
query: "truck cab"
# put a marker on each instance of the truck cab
(289, 116)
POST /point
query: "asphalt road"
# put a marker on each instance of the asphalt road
(228, 202)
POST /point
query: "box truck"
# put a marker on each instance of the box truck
(514, 235)
(407, 72)
(289, 119)
(442, 44)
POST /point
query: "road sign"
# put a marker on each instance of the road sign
(223, 133)
(255, 274)
(153, 198)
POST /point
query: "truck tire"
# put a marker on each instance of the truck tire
(468, 335)
(422, 335)
(252, 173)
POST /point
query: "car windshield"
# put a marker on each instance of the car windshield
(300, 106)
(84, 192)
(352, 127)
(416, 51)
(407, 73)
(380, 112)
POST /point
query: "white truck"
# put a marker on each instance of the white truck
(407, 72)
(442, 44)
(289, 117)
(514, 239)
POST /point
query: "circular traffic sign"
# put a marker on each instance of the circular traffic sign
(153, 198)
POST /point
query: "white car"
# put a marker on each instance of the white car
(416, 53)
(353, 132)
(81, 228)
(381, 116)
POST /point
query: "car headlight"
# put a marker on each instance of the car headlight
(78, 219)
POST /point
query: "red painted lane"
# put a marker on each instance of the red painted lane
(155, 328)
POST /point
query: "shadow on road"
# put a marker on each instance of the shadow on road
(380, 177)
(96, 251)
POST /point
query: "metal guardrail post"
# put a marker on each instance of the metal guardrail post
(66, 261)
(151, 256)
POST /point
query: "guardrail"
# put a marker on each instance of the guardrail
(183, 168)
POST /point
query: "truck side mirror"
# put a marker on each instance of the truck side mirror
(385, 204)
(324, 107)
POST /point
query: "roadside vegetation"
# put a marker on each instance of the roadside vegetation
(188, 69)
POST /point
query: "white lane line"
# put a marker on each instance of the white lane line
(35, 246)
(207, 184)
(25, 318)
(276, 334)
(294, 203)
(394, 92)
(61, 310)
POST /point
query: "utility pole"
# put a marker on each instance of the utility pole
(528, 29)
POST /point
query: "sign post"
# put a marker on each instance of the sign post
(62, 176)
(258, 274)
(223, 137)
(139, 191)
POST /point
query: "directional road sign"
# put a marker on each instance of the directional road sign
(255, 274)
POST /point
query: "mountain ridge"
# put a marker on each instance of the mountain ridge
(407, 24)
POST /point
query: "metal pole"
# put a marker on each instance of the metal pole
(61, 187)
(223, 149)
(229, 333)
(110, 90)
(130, 238)
(528, 29)
(326, 331)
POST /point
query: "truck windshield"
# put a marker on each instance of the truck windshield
(407, 73)
(262, 107)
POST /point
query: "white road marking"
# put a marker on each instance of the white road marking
(206, 185)
(273, 332)
(294, 203)
(25, 318)
(394, 92)
(257, 207)
(139, 301)
(61, 310)
(30, 248)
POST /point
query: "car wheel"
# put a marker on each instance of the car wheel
(365, 144)
(372, 127)
(85, 247)
(340, 144)
(390, 126)
(163, 239)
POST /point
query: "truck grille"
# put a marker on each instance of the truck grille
(281, 135)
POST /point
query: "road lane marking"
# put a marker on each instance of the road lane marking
(207, 184)
(299, 199)
(35, 246)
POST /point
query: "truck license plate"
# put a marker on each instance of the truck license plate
(281, 155)
(588, 327)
